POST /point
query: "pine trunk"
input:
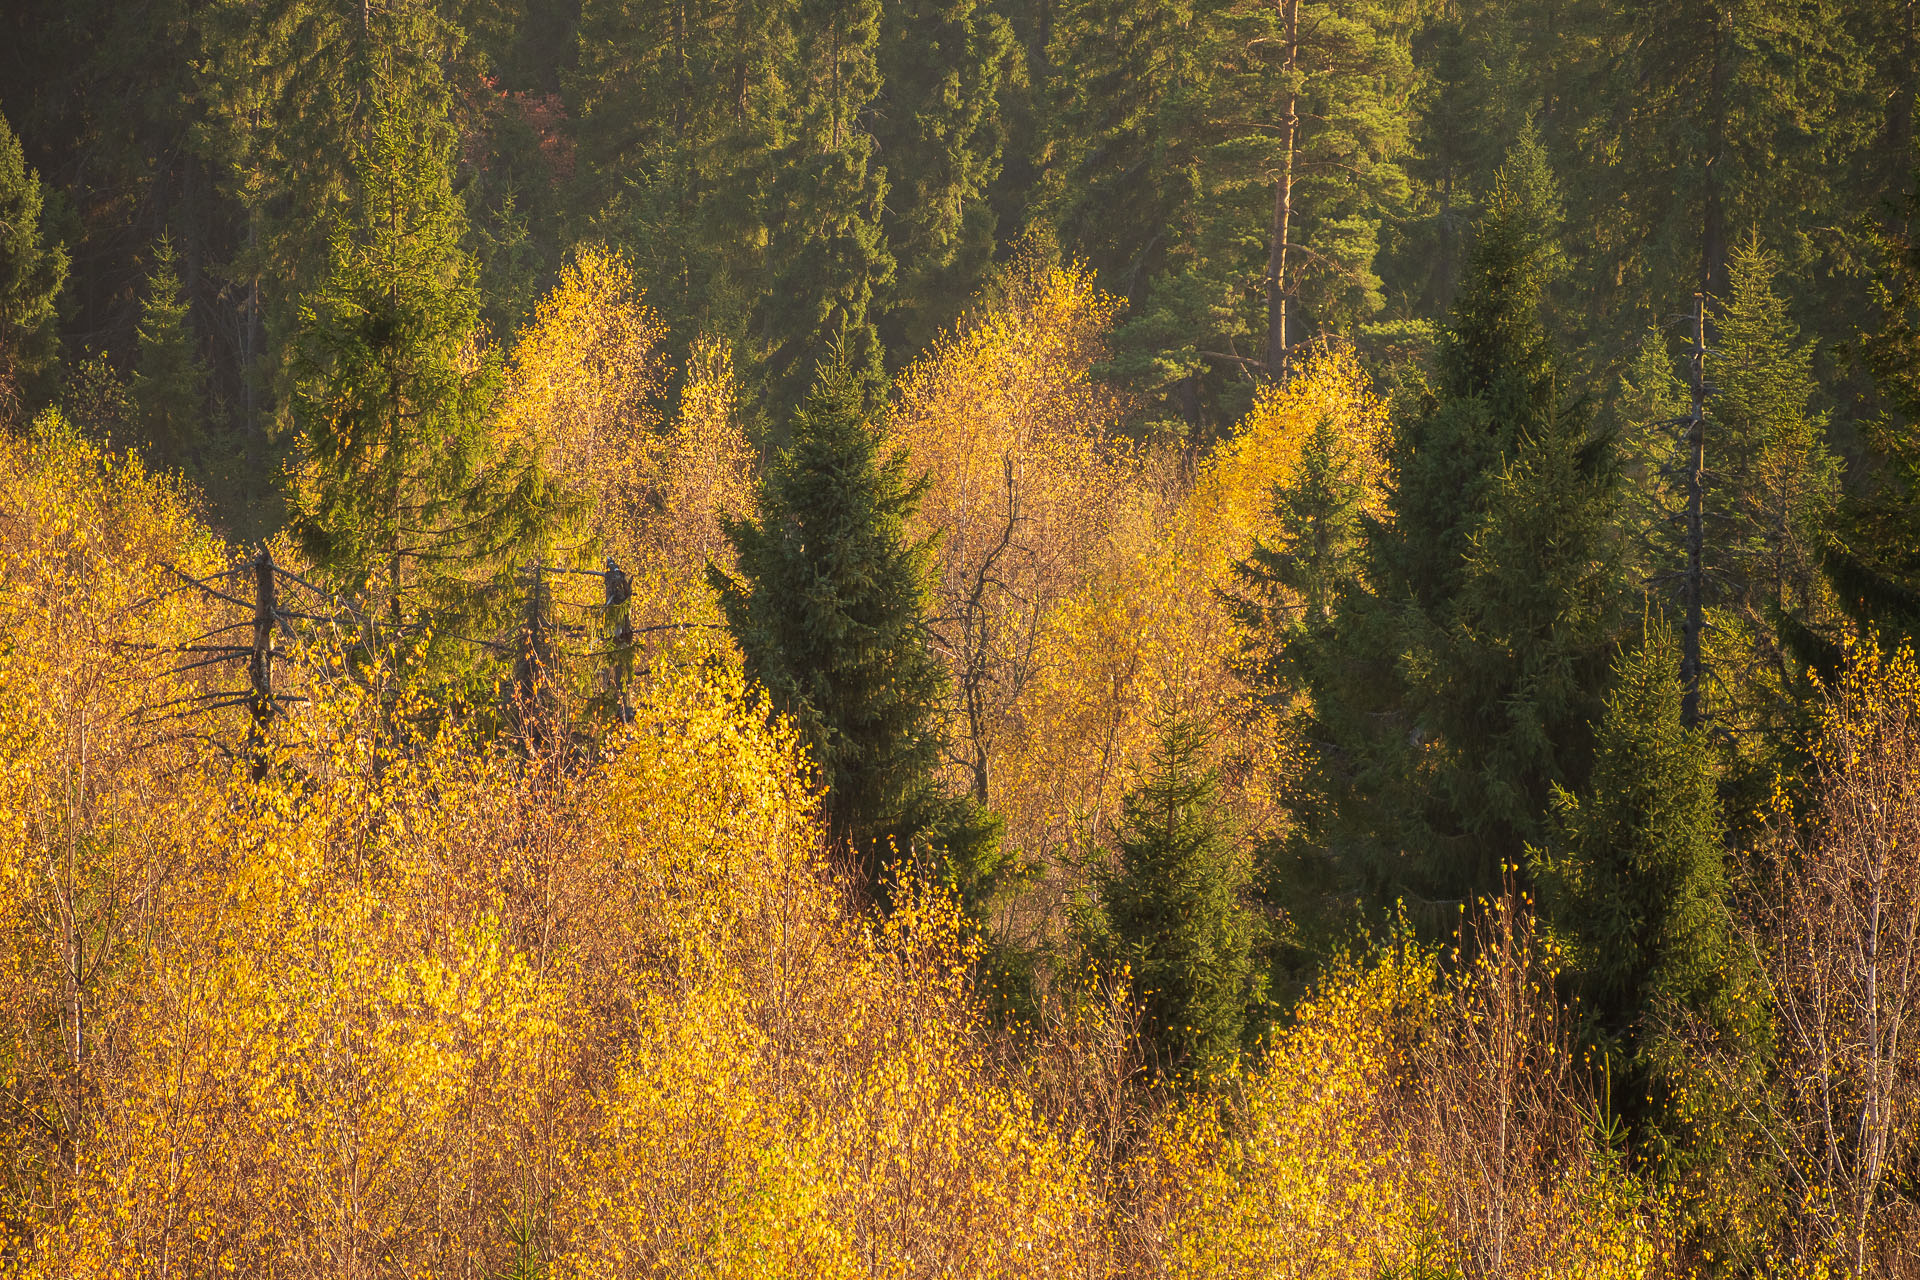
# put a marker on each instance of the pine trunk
(1282, 226)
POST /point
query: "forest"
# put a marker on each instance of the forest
(962, 638)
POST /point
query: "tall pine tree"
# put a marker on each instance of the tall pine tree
(1227, 167)
(1334, 78)
(829, 611)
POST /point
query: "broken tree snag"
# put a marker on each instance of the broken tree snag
(533, 663)
(618, 617)
(260, 665)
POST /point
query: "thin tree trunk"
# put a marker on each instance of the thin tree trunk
(1900, 109)
(1713, 217)
(1282, 224)
(1696, 473)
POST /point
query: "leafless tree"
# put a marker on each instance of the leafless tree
(1835, 930)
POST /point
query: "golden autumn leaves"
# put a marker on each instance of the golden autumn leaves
(444, 1011)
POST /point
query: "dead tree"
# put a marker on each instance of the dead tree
(618, 620)
(533, 658)
(261, 705)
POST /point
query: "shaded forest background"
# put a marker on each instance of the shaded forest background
(782, 170)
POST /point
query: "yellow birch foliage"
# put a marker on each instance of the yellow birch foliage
(1409, 1122)
(703, 476)
(1305, 1172)
(446, 1011)
(585, 377)
(429, 1012)
(92, 830)
(584, 390)
(1148, 634)
(1013, 434)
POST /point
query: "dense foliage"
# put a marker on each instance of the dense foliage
(959, 637)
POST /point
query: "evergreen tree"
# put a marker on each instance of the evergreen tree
(829, 613)
(1649, 410)
(1287, 600)
(1459, 687)
(1509, 673)
(1338, 74)
(297, 89)
(1776, 482)
(831, 268)
(680, 110)
(1688, 122)
(1125, 189)
(1172, 913)
(398, 498)
(1875, 572)
(1469, 108)
(111, 96)
(1227, 166)
(729, 144)
(170, 378)
(1290, 584)
(937, 126)
(1495, 381)
(32, 273)
(1887, 32)
(1633, 878)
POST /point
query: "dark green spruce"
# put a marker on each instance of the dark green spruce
(401, 499)
(1172, 911)
(32, 272)
(829, 611)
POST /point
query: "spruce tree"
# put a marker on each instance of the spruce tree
(1288, 599)
(1510, 674)
(832, 270)
(1287, 588)
(1495, 381)
(829, 612)
(1632, 877)
(1458, 687)
(1468, 108)
(170, 378)
(680, 110)
(937, 125)
(398, 498)
(296, 89)
(1776, 480)
(1875, 568)
(1172, 912)
(32, 273)
(1648, 413)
